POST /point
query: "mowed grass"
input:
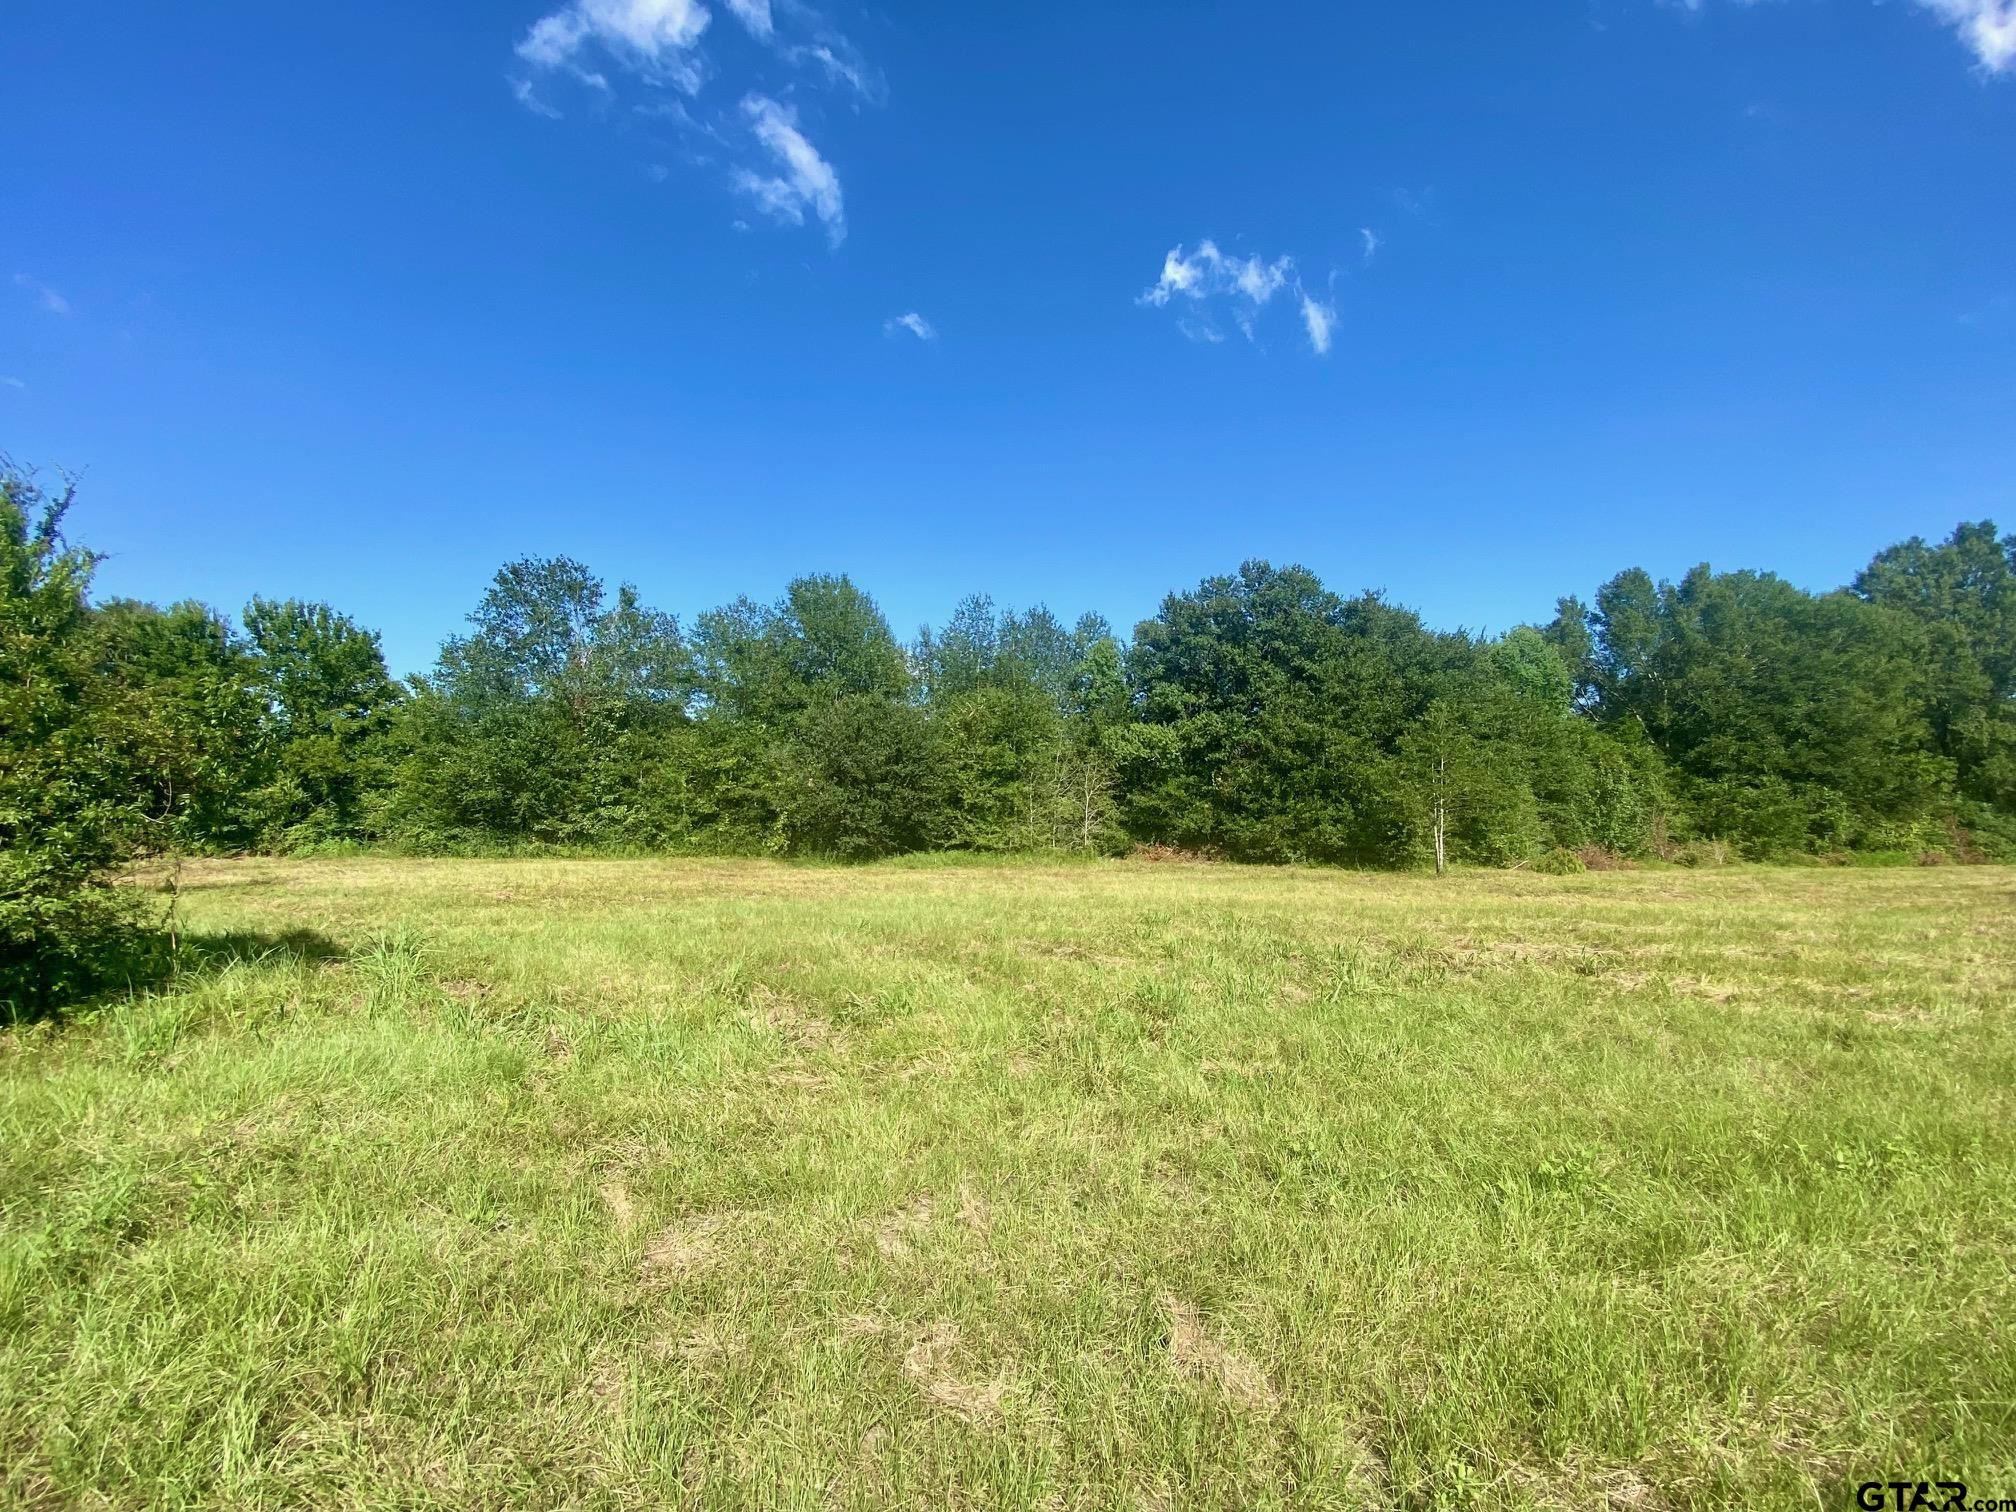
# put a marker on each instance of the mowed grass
(633, 1184)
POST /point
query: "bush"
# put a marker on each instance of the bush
(1597, 859)
(67, 815)
(1701, 853)
(1561, 862)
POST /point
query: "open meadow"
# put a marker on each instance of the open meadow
(724, 1184)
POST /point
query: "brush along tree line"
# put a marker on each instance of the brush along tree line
(1259, 716)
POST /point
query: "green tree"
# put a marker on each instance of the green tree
(184, 687)
(1280, 708)
(1962, 595)
(1016, 700)
(861, 780)
(1791, 721)
(825, 640)
(330, 704)
(542, 723)
(67, 810)
(807, 721)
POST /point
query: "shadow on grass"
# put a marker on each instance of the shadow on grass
(124, 964)
(211, 952)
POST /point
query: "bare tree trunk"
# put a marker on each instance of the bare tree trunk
(1085, 812)
(1441, 818)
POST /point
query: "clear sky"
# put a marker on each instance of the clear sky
(358, 301)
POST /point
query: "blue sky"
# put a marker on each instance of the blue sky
(356, 302)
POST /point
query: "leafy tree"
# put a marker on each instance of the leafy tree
(183, 685)
(1282, 707)
(1452, 789)
(810, 737)
(1098, 710)
(825, 640)
(1575, 643)
(1791, 721)
(1016, 701)
(536, 726)
(1588, 785)
(67, 815)
(329, 704)
(1962, 595)
(861, 780)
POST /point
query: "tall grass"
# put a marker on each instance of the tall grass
(631, 1184)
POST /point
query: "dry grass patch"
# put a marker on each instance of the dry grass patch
(686, 1249)
(898, 1234)
(939, 1366)
(1197, 1355)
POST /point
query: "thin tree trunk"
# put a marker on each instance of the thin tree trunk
(1441, 818)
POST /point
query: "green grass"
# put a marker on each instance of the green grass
(631, 1184)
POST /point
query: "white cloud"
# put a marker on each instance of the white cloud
(1209, 271)
(755, 15)
(914, 323)
(1240, 288)
(807, 180)
(11, 381)
(761, 146)
(1373, 242)
(652, 38)
(1179, 276)
(1319, 320)
(1260, 281)
(523, 92)
(50, 300)
(841, 65)
(1988, 27)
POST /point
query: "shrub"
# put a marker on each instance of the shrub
(1701, 853)
(66, 808)
(1596, 858)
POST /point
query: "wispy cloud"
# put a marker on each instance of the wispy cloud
(807, 180)
(1373, 242)
(1319, 319)
(653, 38)
(914, 323)
(666, 46)
(2000, 308)
(1211, 284)
(11, 381)
(1210, 271)
(841, 65)
(1419, 203)
(1988, 27)
(47, 297)
(754, 15)
(523, 92)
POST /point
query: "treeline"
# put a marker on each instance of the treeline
(1259, 717)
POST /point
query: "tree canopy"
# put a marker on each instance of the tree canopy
(1260, 716)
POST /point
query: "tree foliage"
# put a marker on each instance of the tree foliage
(67, 814)
(1791, 721)
(1259, 716)
(1961, 594)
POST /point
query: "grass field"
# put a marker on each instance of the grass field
(629, 1184)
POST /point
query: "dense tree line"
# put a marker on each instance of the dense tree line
(1259, 716)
